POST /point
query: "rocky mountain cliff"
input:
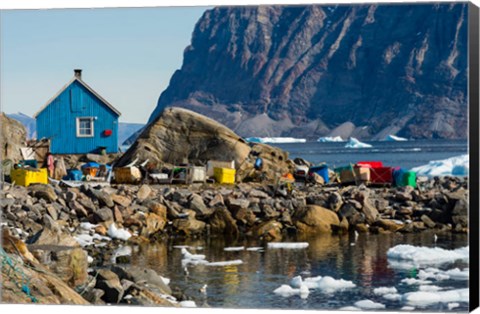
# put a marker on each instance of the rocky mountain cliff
(309, 71)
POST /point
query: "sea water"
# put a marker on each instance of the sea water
(406, 154)
(341, 271)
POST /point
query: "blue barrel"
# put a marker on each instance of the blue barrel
(74, 174)
(321, 170)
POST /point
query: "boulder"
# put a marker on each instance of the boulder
(13, 137)
(427, 221)
(222, 222)
(144, 192)
(390, 225)
(370, 212)
(335, 201)
(104, 199)
(198, 206)
(121, 200)
(190, 225)
(352, 215)
(177, 134)
(43, 191)
(109, 282)
(142, 275)
(314, 219)
(269, 231)
(153, 224)
(103, 215)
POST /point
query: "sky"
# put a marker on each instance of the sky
(128, 55)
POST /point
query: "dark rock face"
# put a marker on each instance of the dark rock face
(318, 70)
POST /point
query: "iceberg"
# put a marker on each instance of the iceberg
(275, 140)
(393, 138)
(328, 139)
(354, 143)
(454, 166)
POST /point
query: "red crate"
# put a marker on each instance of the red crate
(381, 175)
(370, 164)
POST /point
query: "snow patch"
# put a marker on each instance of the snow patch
(453, 305)
(455, 166)
(121, 251)
(115, 233)
(287, 245)
(354, 143)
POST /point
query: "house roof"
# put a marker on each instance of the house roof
(84, 85)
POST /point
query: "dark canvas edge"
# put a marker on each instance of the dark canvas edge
(473, 96)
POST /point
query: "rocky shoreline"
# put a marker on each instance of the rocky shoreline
(61, 234)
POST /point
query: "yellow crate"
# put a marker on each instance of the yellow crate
(26, 177)
(224, 175)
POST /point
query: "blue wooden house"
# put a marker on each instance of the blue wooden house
(77, 120)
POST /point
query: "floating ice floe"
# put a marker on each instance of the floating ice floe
(437, 274)
(407, 308)
(453, 305)
(225, 263)
(326, 284)
(287, 245)
(423, 299)
(234, 248)
(349, 308)
(287, 291)
(392, 296)
(116, 233)
(187, 255)
(181, 246)
(393, 138)
(187, 304)
(255, 248)
(384, 290)
(416, 256)
(414, 281)
(354, 143)
(328, 139)
(330, 285)
(275, 140)
(455, 166)
(369, 305)
(429, 288)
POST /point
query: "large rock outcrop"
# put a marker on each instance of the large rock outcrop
(179, 135)
(309, 71)
(13, 136)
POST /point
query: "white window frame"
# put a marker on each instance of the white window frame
(91, 123)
